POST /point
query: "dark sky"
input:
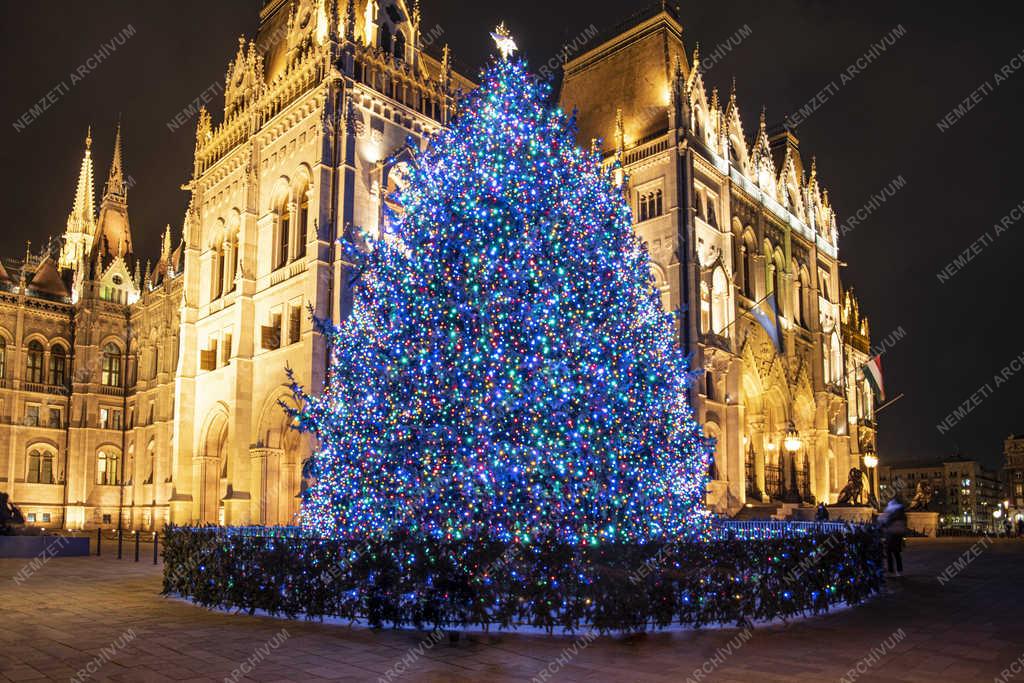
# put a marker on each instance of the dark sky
(877, 128)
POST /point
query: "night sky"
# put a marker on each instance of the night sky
(879, 127)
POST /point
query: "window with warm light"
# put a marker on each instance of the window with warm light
(111, 365)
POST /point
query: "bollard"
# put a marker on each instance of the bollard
(99, 541)
(136, 546)
(156, 542)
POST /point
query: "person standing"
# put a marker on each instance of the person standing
(894, 525)
(822, 514)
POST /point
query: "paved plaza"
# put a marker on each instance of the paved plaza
(105, 618)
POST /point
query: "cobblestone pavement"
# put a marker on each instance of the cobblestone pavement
(105, 618)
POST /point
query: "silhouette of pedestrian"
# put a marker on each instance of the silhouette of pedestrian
(894, 524)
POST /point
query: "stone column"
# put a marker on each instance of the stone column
(757, 426)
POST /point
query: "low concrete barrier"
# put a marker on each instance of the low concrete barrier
(39, 546)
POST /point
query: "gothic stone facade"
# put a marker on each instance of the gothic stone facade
(729, 220)
(316, 107)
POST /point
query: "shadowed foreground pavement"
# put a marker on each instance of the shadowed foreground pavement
(107, 615)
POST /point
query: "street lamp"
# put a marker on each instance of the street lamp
(871, 462)
(792, 440)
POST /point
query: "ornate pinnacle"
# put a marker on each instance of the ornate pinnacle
(350, 20)
(446, 66)
(115, 179)
(165, 248)
(620, 131)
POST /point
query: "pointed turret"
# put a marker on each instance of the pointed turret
(113, 226)
(165, 249)
(115, 179)
(81, 226)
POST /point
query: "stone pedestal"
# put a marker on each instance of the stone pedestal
(855, 514)
(803, 514)
(926, 523)
(718, 497)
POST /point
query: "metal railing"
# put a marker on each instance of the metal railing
(765, 529)
(720, 529)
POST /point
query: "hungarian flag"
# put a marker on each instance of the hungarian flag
(873, 374)
(766, 312)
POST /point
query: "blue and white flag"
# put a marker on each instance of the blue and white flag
(766, 312)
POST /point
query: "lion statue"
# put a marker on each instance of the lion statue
(851, 493)
(10, 516)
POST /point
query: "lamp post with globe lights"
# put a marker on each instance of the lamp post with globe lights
(871, 462)
(792, 442)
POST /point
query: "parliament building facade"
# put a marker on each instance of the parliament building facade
(151, 389)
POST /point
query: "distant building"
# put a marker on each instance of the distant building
(965, 492)
(1013, 473)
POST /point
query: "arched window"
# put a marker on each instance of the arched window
(129, 466)
(303, 228)
(399, 45)
(749, 268)
(150, 460)
(3, 358)
(780, 285)
(58, 366)
(705, 308)
(106, 468)
(284, 232)
(384, 38)
(111, 369)
(802, 299)
(837, 358)
(713, 431)
(34, 363)
(720, 303)
(40, 467)
(219, 261)
(230, 260)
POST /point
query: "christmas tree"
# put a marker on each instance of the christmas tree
(507, 371)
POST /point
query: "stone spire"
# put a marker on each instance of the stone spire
(83, 213)
(115, 180)
(112, 225)
(81, 225)
(165, 248)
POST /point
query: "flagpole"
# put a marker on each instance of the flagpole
(749, 310)
(887, 404)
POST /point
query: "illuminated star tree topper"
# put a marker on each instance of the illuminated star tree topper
(504, 40)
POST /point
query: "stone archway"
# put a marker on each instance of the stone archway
(275, 463)
(210, 468)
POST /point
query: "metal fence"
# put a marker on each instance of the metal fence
(720, 529)
(764, 529)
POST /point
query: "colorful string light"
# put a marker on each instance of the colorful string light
(507, 370)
